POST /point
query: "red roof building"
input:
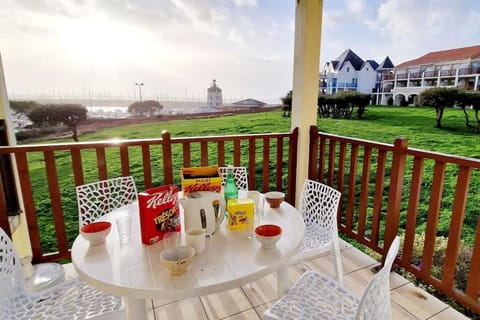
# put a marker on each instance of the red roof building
(459, 68)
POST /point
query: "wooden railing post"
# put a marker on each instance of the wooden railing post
(4, 224)
(167, 157)
(292, 166)
(395, 192)
(313, 154)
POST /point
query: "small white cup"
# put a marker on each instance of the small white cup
(195, 237)
(124, 223)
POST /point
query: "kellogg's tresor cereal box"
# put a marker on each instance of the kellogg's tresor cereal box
(201, 179)
(159, 212)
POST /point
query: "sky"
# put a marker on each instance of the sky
(176, 47)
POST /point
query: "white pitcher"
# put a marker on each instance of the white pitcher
(199, 211)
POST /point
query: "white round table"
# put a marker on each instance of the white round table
(133, 270)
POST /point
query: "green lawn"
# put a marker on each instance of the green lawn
(380, 123)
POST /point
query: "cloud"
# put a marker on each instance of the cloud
(356, 7)
(245, 3)
(412, 28)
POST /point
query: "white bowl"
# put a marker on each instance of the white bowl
(268, 235)
(274, 198)
(178, 259)
(96, 232)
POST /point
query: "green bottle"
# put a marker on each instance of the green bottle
(230, 191)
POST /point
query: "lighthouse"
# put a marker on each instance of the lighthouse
(214, 96)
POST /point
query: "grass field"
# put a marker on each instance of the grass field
(382, 124)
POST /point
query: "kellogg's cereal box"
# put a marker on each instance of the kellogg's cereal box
(201, 179)
(159, 212)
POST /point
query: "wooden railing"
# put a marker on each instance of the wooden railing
(392, 189)
(49, 173)
(386, 190)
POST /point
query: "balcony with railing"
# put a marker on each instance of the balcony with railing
(385, 191)
(430, 74)
(388, 76)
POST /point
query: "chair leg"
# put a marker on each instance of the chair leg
(337, 260)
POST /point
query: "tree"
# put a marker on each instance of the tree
(357, 99)
(439, 98)
(145, 108)
(463, 101)
(287, 104)
(69, 115)
(23, 106)
(474, 99)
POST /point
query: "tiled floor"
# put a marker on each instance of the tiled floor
(249, 302)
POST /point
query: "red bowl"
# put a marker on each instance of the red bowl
(96, 227)
(268, 235)
(268, 230)
(96, 232)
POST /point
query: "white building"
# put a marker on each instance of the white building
(457, 68)
(214, 96)
(349, 72)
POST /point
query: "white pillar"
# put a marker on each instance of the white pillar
(20, 235)
(475, 87)
(308, 27)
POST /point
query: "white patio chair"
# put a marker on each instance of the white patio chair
(241, 177)
(317, 296)
(71, 299)
(319, 207)
(99, 198)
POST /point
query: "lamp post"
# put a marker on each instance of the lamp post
(139, 84)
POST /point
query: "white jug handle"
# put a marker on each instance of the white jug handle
(221, 209)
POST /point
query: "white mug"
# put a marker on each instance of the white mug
(195, 238)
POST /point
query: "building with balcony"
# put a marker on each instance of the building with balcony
(349, 72)
(456, 68)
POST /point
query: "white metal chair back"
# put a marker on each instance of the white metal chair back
(319, 207)
(375, 302)
(11, 273)
(318, 296)
(71, 299)
(99, 198)
(241, 177)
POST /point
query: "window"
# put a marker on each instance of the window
(348, 69)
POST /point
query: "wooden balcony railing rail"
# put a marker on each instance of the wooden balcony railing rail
(392, 189)
(48, 174)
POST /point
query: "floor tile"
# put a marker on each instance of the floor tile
(449, 314)
(353, 259)
(324, 264)
(399, 313)
(396, 280)
(162, 302)
(418, 302)
(225, 304)
(262, 291)
(187, 309)
(250, 314)
(69, 271)
(262, 308)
